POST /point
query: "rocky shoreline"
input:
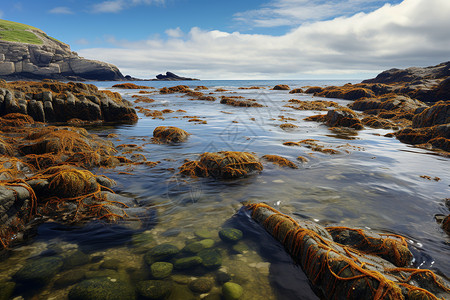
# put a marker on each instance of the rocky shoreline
(45, 176)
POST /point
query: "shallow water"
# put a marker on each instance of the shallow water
(374, 182)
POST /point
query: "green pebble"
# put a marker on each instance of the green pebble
(193, 248)
(203, 234)
(162, 252)
(154, 289)
(232, 291)
(230, 235)
(161, 270)
(240, 248)
(187, 262)
(211, 258)
(207, 243)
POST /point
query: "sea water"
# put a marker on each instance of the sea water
(372, 183)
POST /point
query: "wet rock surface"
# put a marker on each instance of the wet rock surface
(53, 101)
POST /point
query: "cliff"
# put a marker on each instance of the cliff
(27, 52)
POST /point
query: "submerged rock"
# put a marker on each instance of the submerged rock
(232, 291)
(103, 288)
(154, 289)
(230, 235)
(187, 262)
(201, 285)
(39, 272)
(162, 252)
(211, 258)
(160, 270)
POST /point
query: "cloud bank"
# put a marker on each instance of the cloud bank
(412, 33)
(61, 10)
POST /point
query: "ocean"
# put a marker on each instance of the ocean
(372, 182)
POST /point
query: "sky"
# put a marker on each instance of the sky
(237, 39)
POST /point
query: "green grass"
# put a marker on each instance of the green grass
(17, 32)
(20, 36)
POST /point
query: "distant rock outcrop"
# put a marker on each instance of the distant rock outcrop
(172, 77)
(411, 74)
(41, 57)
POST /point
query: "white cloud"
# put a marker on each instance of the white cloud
(413, 33)
(174, 33)
(109, 6)
(61, 10)
(115, 6)
(296, 12)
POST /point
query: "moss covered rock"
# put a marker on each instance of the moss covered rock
(162, 252)
(232, 291)
(187, 262)
(230, 235)
(102, 289)
(201, 285)
(161, 269)
(211, 258)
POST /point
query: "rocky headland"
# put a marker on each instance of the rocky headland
(27, 52)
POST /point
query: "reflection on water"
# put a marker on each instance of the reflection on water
(373, 182)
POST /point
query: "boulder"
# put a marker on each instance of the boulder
(437, 114)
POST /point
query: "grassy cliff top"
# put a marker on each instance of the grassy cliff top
(17, 32)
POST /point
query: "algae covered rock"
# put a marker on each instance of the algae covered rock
(154, 289)
(102, 288)
(230, 235)
(211, 258)
(232, 291)
(201, 285)
(169, 134)
(161, 269)
(224, 164)
(187, 262)
(162, 252)
(281, 87)
(39, 271)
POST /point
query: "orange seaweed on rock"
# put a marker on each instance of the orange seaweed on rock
(314, 90)
(296, 91)
(342, 117)
(339, 271)
(348, 92)
(241, 103)
(174, 89)
(169, 134)
(287, 126)
(280, 161)
(311, 105)
(130, 86)
(224, 164)
(281, 87)
(11, 121)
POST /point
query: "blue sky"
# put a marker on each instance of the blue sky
(282, 39)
